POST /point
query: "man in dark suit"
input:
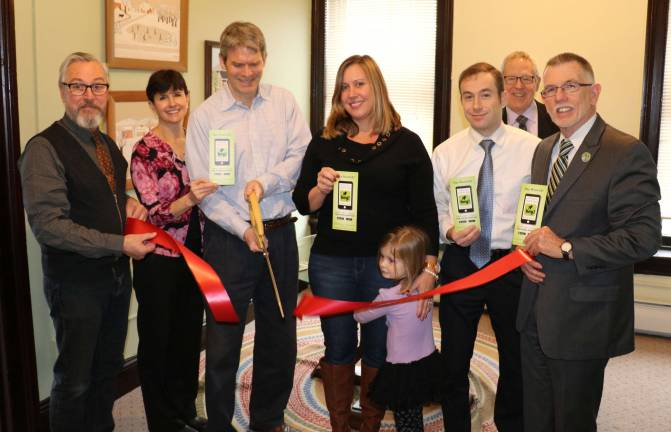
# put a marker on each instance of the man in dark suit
(521, 81)
(576, 305)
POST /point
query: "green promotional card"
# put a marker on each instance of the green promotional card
(530, 209)
(464, 202)
(345, 196)
(222, 157)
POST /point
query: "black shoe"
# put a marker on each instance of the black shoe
(187, 428)
(197, 423)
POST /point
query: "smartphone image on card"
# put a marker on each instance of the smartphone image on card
(345, 196)
(464, 199)
(530, 209)
(221, 152)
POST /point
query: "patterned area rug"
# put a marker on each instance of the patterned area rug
(306, 411)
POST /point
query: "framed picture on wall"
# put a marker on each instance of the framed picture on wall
(149, 34)
(129, 117)
(215, 75)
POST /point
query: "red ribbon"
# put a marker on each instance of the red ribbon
(321, 306)
(209, 283)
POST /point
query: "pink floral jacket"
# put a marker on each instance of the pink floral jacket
(159, 178)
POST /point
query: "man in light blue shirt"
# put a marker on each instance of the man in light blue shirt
(268, 136)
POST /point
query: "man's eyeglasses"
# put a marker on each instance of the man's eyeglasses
(525, 79)
(568, 87)
(78, 89)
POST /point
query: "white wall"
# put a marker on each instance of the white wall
(609, 33)
(46, 31)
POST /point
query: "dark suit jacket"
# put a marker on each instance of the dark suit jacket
(607, 206)
(545, 125)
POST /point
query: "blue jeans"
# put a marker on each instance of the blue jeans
(353, 279)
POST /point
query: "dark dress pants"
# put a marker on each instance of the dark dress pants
(169, 323)
(245, 277)
(459, 316)
(559, 395)
(90, 321)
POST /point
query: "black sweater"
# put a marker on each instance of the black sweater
(395, 188)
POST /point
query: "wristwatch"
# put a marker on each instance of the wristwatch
(432, 269)
(566, 249)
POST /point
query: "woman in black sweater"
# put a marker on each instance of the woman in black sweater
(384, 179)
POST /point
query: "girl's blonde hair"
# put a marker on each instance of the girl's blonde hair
(408, 244)
(386, 119)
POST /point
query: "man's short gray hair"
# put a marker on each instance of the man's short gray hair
(79, 57)
(519, 55)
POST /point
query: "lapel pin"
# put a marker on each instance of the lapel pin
(586, 157)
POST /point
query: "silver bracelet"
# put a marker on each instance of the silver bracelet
(431, 272)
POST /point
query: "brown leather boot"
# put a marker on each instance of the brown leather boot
(371, 413)
(339, 391)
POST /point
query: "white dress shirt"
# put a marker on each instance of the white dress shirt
(270, 141)
(576, 139)
(531, 113)
(461, 156)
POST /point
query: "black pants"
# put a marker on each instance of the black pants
(459, 316)
(559, 395)
(169, 323)
(90, 322)
(245, 277)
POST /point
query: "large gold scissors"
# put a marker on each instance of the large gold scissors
(257, 225)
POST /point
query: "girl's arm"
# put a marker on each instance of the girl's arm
(366, 315)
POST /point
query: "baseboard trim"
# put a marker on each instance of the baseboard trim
(652, 319)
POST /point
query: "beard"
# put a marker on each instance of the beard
(87, 121)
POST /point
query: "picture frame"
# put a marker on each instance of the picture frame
(150, 36)
(129, 118)
(215, 76)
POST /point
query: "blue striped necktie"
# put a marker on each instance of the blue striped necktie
(559, 167)
(480, 252)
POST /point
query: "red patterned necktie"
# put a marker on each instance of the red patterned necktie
(105, 160)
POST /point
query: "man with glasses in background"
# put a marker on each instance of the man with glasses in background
(602, 216)
(73, 179)
(521, 81)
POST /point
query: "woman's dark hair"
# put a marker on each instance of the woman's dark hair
(163, 80)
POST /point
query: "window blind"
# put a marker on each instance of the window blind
(382, 29)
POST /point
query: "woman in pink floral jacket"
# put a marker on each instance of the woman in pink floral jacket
(170, 312)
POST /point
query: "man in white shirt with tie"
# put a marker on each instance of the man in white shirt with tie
(499, 156)
(521, 81)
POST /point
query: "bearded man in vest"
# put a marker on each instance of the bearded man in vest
(73, 179)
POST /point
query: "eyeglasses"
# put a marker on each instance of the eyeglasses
(568, 87)
(78, 89)
(525, 79)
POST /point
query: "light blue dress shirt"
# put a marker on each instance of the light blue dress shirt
(270, 140)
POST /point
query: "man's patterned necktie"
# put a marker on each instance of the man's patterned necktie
(480, 251)
(104, 158)
(559, 167)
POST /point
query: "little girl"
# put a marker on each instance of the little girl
(411, 375)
